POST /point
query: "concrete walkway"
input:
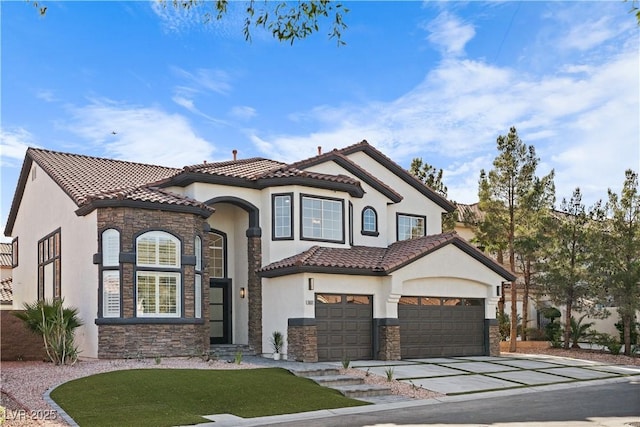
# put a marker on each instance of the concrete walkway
(459, 378)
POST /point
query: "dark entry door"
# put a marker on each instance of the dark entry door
(220, 311)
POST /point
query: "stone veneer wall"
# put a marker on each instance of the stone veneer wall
(129, 335)
(16, 341)
(254, 249)
(141, 340)
(302, 341)
(494, 340)
(389, 339)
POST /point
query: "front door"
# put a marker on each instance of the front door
(220, 311)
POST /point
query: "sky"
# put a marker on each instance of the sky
(438, 80)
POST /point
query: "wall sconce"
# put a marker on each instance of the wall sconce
(311, 284)
(243, 293)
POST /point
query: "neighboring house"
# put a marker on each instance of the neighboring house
(342, 252)
(6, 263)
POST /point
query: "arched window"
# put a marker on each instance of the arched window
(110, 273)
(369, 221)
(158, 275)
(217, 255)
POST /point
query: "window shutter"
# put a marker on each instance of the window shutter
(111, 294)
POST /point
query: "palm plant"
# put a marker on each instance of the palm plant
(579, 330)
(56, 324)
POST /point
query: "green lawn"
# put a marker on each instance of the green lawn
(168, 397)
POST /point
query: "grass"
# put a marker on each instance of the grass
(167, 397)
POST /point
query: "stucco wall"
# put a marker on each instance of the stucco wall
(44, 208)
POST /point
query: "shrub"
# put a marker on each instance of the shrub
(553, 333)
(56, 325)
(277, 341)
(634, 331)
(536, 334)
(609, 342)
(579, 330)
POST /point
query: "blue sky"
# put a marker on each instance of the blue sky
(436, 80)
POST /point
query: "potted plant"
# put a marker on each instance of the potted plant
(277, 342)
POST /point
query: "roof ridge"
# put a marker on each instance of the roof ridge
(85, 156)
(229, 162)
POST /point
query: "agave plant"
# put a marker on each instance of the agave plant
(56, 324)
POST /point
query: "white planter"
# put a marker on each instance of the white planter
(276, 356)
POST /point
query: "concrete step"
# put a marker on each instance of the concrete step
(337, 380)
(229, 351)
(316, 372)
(363, 390)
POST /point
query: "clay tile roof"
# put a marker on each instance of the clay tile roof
(257, 168)
(148, 194)
(83, 176)
(469, 213)
(6, 291)
(244, 168)
(373, 260)
(5, 255)
(366, 260)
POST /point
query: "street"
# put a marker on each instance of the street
(615, 404)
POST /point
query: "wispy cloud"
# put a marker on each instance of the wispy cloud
(581, 115)
(449, 34)
(142, 134)
(243, 112)
(13, 146)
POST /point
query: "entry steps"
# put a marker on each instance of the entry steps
(349, 386)
(229, 351)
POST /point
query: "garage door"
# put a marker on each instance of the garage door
(344, 326)
(433, 326)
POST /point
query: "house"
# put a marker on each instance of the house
(342, 252)
(6, 263)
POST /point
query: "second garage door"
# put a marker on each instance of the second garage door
(344, 326)
(434, 327)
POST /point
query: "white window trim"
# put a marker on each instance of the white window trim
(159, 274)
(110, 300)
(157, 235)
(323, 237)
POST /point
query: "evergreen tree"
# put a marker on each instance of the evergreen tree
(620, 253)
(508, 193)
(567, 256)
(432, 178)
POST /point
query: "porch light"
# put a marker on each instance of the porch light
(243, 293)
(311, 284)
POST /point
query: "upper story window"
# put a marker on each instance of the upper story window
(410, 226)
(217, 255)
(14, 252)
(369, 221)
(157, 248)
(158, 280)
(322, 219)
(282, 214)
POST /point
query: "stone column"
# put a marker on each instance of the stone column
(254, 248)
(388, 347)
(493, 333)
(302, 340)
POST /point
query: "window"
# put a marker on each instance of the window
(369, 222)
(14, 253)
(110, 240)
(322, 219)
(157, 275)
(110, 247)
(157, 294)
(198, 278)
(157, 249)
(111, 293)
(49, 250)
(410, 226)
(282, 211)
(217, 252)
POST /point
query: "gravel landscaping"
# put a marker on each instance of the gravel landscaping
(24, 383)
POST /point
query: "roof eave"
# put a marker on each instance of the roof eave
(17, 196)
(353, 271)
(95, 204)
